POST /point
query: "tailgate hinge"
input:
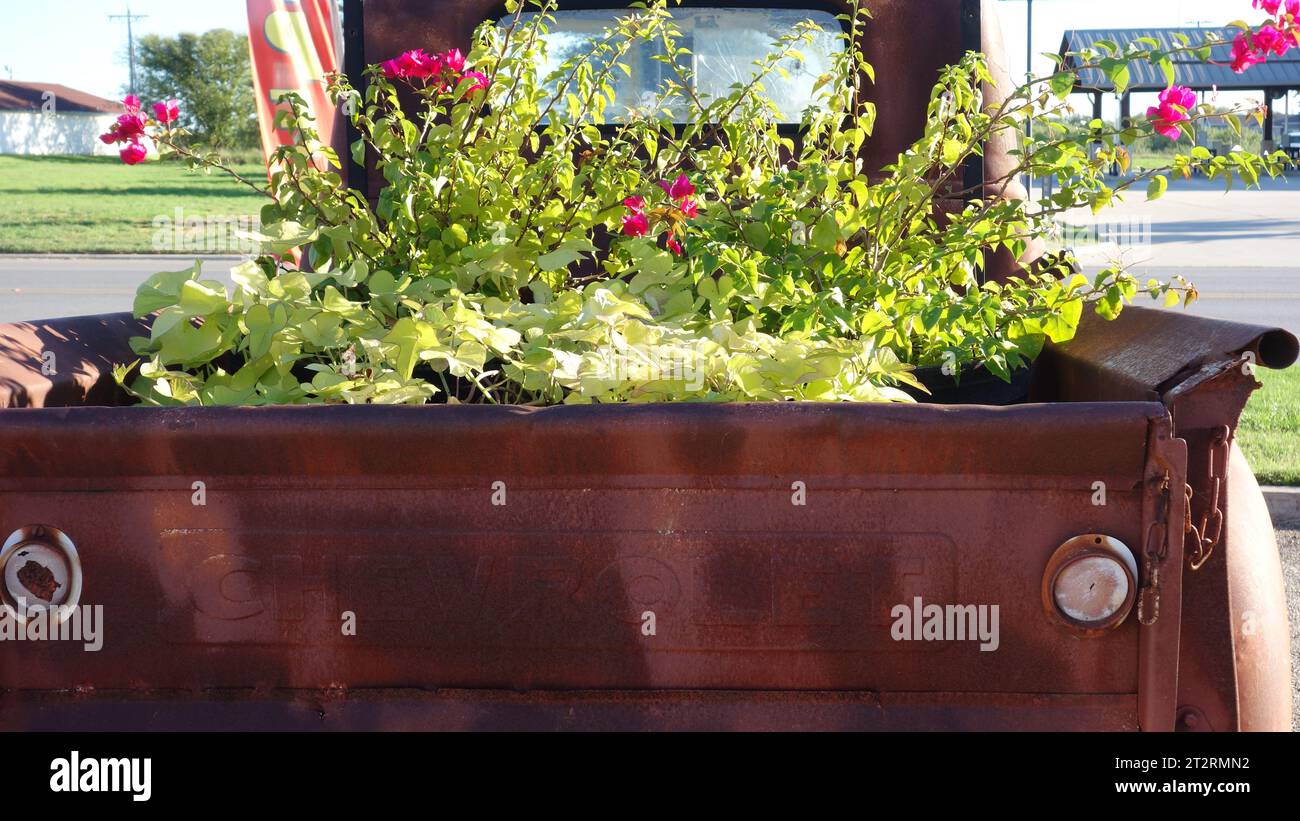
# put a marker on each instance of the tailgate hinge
(1206, 537)
(1154, 553)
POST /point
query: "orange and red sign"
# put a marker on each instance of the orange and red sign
(294, 44)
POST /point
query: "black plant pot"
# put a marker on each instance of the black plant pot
(974, 387)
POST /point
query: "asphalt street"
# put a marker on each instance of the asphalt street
(56, 286)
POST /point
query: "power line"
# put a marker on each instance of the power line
(130, 38)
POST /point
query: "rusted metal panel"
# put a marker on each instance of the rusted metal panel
(1160, 610)
(1202, 369)
(1258, 617)
(465, 710)
(1145, 352)
(56, 362)
(683, 511)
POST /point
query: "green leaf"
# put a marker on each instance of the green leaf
(202, 298)
(1156, 187)
(1062, 84)
(826, 234)
(410, 337)
(163, 289)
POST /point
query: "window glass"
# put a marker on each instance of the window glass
(724, 44)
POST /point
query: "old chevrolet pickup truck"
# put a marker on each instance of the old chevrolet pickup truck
(1091, 553)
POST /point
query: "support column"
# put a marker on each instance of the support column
(1269, 142)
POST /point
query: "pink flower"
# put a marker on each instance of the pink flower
(690, 209)
(1243, 54)
(418, 65)
(134, 153)
(128, 128)
(636, 225)
(674, 245)
(454, 60)
(636, 204)
(1175, 102)
(480, 82)
(412, 65)
(132, 102)
(168, 112)
(678, 189)
(1180, 96)
(1269, 39)
(1292, 7)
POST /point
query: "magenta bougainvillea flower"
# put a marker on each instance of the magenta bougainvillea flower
(443, 71)
(1244, 54)
(1276, 37)
(1175, 102)
(133, 153)
(168, 112)
(129, 130)
(679, 189)
(453, 60)
(1291, 7)
(636, 224)
(480, 81)
(412, 65)
(1269, 39)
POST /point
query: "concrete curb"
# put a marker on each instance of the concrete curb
(1283, 504)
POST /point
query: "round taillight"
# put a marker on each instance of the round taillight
(39, 571)
(1090, 583)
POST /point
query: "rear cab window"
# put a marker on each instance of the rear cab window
(724, 43)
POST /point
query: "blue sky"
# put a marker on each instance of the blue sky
(73, 42)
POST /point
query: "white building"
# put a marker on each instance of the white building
(45, 118)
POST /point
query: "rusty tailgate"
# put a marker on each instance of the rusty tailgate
(602, 515)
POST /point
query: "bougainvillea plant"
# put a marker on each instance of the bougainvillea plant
(527, 250)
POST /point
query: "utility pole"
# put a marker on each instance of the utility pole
(130, 38)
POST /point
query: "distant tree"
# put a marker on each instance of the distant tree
(210, 74)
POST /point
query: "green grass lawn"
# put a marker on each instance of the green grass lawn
(98, 205)
(1270, 429)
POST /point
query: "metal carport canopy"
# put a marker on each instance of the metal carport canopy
(1277, 73)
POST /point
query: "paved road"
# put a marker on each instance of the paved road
(47, 287)
(1241, 249)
